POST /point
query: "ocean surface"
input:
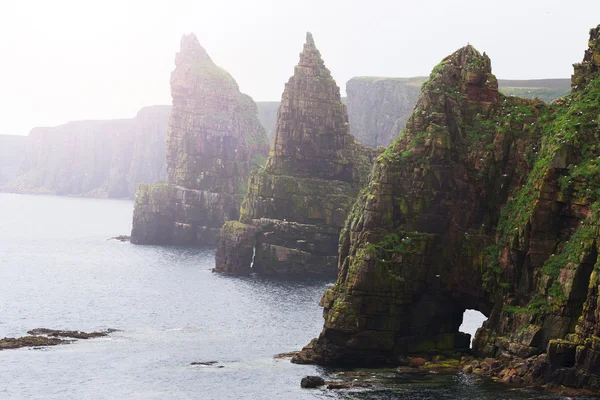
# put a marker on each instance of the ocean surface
(59, 270)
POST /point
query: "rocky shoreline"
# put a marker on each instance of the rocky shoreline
(42, 337)
(530, 373)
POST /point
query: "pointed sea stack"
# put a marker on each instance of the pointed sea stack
(485, 202)
(214, 139)
(295, 207)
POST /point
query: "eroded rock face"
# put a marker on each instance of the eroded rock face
(214, 139)
(484, 202)
(295, 206)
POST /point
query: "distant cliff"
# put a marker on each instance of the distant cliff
(94, 158)
(378, 108)
(267, 115)
(11, 153)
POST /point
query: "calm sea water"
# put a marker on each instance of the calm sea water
(59, 271)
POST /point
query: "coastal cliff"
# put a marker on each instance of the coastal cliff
(267, 114)
(93, 158)
(214, 139)
(484, 202)
(379, 107)
(292, 214)
(12, 148)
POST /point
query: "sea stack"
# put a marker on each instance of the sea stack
(214, 139)
(485, 202)
(295, 207)
(404, 280)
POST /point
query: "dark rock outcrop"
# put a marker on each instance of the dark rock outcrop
(12, 148)
(484, 202)
(94, 158)
(214, 139)
(311, 382)
(295, 206)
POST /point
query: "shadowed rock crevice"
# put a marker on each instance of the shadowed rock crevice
(214, 140)
(484, 202)
(291, 216)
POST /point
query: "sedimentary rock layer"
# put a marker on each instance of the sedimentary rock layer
(94, 158)
(484, 202)
(295, 206)
(214, 139)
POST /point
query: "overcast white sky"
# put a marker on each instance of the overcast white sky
(65, 60)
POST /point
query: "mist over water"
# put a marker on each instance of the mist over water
(59, 271)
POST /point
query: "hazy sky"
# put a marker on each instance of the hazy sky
(68, 60)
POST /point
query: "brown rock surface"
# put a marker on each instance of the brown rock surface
(214, 139)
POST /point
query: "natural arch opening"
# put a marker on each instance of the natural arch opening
(472, 320)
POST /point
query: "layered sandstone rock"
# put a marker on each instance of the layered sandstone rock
(214, 139)
(93, 158)
(484, 202)
(295, 206)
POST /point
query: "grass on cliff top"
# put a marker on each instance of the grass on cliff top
(416, 81)
(547, 95)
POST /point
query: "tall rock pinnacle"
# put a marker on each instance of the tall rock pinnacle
(214, 139)
(291, 217)
(312, 124)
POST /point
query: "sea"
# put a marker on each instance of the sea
(60, 269)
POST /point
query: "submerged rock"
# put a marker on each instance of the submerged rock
(29, 341)
(484, 202)
(69, 334)
(295, 206)
(121, 238)
(208, 364)
(214, 139)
